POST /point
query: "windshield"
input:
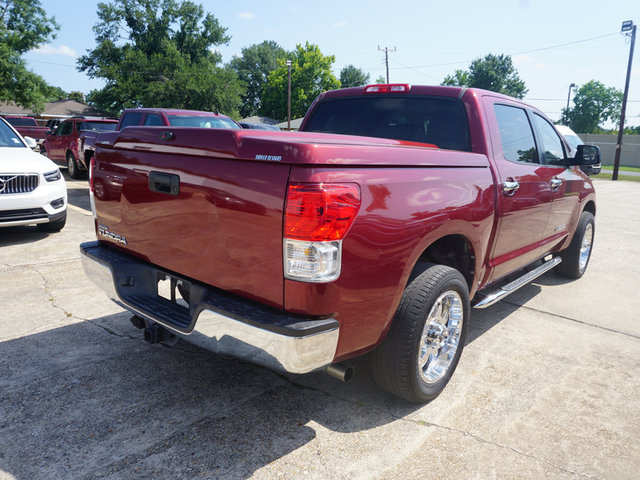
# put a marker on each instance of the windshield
(439, 121)
(202, 121)
(98, 126)
(22, 122)
(8, 138)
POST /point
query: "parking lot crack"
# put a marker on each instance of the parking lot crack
(109, 331)
(48, 293)
(499, 445)
(574, 320)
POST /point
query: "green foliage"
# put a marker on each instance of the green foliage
(24, 26)
(594, 104)
(77, 96)
(381, 80)
(253, 69)
(310, 76)
(157, 53)
(351, 76)
(493, 72)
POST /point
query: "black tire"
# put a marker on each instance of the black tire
(53, 227)
(72, 166)
(395, 364)
(575, 259)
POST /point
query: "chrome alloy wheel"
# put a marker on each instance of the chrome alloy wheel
(585, 247)
(440, 337)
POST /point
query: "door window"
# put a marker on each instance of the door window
(131, 119)
(153, 120)
(65, 128)
(553, 154)
(516, 135)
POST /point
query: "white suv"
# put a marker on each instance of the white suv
(32, 190)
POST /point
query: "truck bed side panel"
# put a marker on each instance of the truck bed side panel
(403, 211)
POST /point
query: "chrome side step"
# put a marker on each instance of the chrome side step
(508, 289)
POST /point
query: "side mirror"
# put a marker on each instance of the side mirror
(586, 155)
(31, 143)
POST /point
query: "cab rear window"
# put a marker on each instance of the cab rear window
(436, 120)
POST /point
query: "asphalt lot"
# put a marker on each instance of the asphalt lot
(547, 386)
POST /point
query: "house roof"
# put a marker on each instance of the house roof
(58, 109)
(295, 124)
(258, 119)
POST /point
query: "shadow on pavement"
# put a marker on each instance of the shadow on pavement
(92, 399)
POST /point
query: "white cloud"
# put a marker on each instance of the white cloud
(62, 50)
(246, 16)
(342, 24)
(295, 8)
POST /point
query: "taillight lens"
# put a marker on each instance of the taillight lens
(317, 218)
(388, 88)
(320, 212)
(92, 165)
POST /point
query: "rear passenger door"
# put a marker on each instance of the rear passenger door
(524, 187)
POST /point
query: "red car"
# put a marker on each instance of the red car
(64, 146)
(27, 127)
(158, 117)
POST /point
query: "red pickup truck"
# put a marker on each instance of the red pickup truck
(373, 230)
(28, 127)
(65, 144)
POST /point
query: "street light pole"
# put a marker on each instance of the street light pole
(626, 26)
(289, 97)
(566, 112)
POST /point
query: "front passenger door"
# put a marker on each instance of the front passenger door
(565, 184)
(524, 188)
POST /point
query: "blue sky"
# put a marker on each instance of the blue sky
(553, 43)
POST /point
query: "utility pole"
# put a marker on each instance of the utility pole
(289, 97)
(626, 27)
(566, 112)
(386, 57)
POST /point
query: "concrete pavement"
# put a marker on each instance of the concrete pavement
(547, 386)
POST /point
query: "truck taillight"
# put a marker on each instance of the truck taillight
(92, 165)
(317, 218)
(92, 200)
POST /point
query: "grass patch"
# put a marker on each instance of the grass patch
(622, 168)
(607, 176)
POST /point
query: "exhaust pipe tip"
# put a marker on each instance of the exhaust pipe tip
(344, 373)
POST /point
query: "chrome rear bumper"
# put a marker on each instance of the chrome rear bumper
(216, 320)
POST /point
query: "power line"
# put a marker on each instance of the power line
(519, 53)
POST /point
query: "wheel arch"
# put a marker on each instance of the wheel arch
(590, 207)
(455, 251)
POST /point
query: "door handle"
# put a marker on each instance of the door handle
(164, 183)
(510, 186)
(555, 183)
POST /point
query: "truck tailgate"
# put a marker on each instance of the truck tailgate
(207, 215)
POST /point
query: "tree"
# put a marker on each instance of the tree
(351, 76)
(253, 68)
(77, 96)
(594, 104)
(381, 80)
(493, 72)
(157, 53)
(24, 25)
(310, 76)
